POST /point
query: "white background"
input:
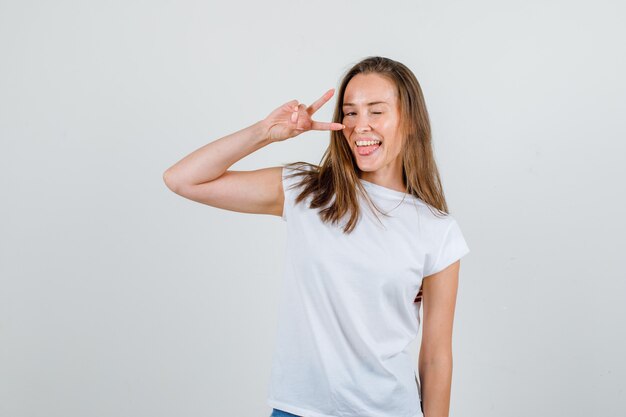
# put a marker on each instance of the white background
(120, 298)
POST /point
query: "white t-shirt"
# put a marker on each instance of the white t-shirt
(347, 310)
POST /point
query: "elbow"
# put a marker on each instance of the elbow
(169, 181)
(435, 352)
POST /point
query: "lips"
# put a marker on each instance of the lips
(366, 150)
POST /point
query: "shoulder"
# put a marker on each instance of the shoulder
(294, 172)
(436, 218)
(446, 244)
(300, 166)
(434, 225)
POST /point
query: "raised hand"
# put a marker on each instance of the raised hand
(291, 119)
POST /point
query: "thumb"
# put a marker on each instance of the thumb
(293, 105)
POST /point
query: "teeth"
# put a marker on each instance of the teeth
(366, 142)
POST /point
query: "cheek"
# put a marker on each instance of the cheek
(393, 137)
(388, 130)
(392, 127)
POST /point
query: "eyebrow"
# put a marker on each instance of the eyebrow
(369, 104)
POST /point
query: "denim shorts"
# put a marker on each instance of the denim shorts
(280, 413)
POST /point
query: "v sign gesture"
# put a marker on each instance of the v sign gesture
(203, 175)
(291, 119)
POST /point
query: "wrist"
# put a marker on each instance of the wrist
(260, 131)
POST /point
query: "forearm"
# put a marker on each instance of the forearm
(436, 380)
(213, 159)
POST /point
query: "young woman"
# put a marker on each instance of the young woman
(354, 279)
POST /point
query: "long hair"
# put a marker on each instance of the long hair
(333, 185)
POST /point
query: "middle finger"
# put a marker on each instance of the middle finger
(321, 101)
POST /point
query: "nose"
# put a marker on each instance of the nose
(362, 125)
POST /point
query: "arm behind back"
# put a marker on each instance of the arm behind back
(257, 192)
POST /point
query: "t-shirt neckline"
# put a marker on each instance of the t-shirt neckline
(379, 189)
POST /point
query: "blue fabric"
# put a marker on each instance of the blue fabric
(280, 413)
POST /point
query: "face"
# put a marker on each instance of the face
(372, 113)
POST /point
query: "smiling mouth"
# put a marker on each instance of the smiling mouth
(367, 147)
(362, 143)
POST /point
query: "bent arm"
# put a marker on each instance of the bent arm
(213, 159)
(435, 358)
(202, 176)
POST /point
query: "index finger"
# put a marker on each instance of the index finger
(321, 101)
(326, 126)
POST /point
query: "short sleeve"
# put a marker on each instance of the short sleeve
(291, 180)
(452, 248)
(289, 190)
(287, 194)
